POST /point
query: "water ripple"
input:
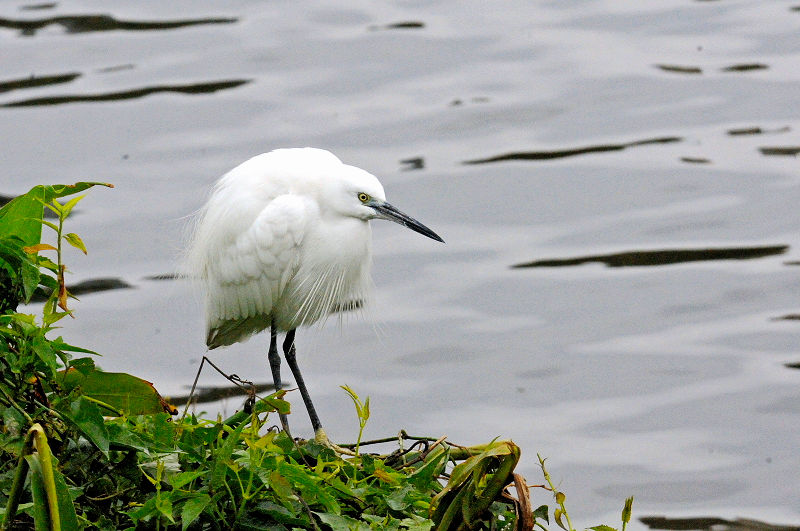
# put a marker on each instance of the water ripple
(571, 152)
(662, 257)
(194, 88)
(90, 23)
(37, 81)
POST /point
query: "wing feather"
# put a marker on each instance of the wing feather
(248, 273)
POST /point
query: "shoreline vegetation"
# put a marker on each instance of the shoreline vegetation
(82, 448)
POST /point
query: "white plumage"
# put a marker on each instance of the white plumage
(283, 241)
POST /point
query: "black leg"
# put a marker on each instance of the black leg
(275, 366)
(291, 359)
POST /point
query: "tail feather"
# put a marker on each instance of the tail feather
(231, 331)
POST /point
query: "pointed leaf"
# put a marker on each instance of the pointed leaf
(41, 517)
(33, 249)
(192, 508)
(341, 523)
(123, 392)
(557, 514)
(86, 416)
(66, 507)
(69, 205)
(75, 241)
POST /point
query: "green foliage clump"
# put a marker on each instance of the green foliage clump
(82, 448)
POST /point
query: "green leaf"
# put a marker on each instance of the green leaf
(193, 508)
(308, 485)
(416, 523)
(222, 457)
(341, 523)
(424, 476)
(557, 514)
(75, 241)
(542, 513)
(184, 478)
(66, 507)
(86, 416)
(69, 205)
(602, 528)
(124, 393)
(43, 349)
(163, 505)
(399, 500)
(22, 216)
(41, 517)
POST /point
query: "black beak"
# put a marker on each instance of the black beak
(387, 211)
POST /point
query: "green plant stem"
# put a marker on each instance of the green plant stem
(15, 405)
(40, 438)
(19, 482)
(559, 499)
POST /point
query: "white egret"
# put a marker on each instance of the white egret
(283, 241)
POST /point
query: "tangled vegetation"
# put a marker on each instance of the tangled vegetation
(83, 448)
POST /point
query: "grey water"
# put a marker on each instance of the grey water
(617, 183)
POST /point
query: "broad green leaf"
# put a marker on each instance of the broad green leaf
(163, 505)
(86, 416)
(41, 346)
(193, 507)
(184, 478)
(123, 436)
(542, 513)
(62, 190)
(426, 474)
(122, 392)
(399, 500)
(341, 523)
(22, 216)
(309, 485)
(82, 365)
(602, 528)
(416, 523)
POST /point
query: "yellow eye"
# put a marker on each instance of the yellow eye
(363, 197)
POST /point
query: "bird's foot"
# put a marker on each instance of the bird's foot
(322, 438)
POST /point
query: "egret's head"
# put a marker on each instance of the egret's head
(361, 196)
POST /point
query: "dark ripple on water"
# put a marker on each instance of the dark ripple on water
(92, 23)
(194, 88)
(571, 152)
(662, 257)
